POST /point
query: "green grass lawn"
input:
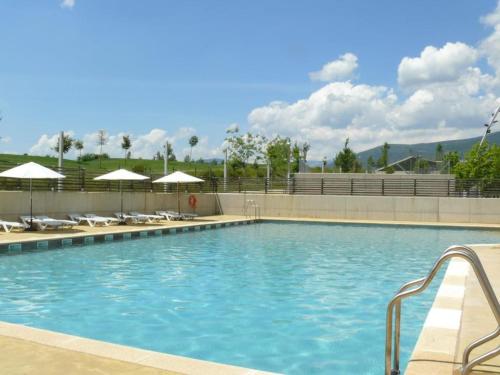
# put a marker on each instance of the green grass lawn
(140, 165)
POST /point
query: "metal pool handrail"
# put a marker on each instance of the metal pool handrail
(251, 203)
(418, 286)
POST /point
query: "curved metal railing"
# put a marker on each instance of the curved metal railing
(418, 286)
(250, 203)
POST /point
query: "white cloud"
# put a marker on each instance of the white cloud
(46, 143)
(490, 47)
(442, 94)
(5, 139)
(436, 65)
(337, 70)
(493, 18)
(67, 4)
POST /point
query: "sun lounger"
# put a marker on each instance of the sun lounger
(44, 222)
(176, 215)
(56, 222)
(188, 216)
(9, 225)
(148, 217)
(169, 215)
(184, 215)
(131, 219)
(37, 224)
(91, 221)
(108, 218)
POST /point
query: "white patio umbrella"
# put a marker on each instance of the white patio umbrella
(177, 178)
(121, 175)
(31, 171)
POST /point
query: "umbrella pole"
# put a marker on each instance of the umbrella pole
(121, 200)
(31, 204)
(178, 200)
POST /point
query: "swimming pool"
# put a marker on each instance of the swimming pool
(294, 298)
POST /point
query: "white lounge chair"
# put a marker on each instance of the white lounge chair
(108, 218)
(91, 221)
(169, 215)
(37, 224)
(44, 222)
(148, 217)
(56, 222)
(131, 219)
(184, 215)
(9, 225)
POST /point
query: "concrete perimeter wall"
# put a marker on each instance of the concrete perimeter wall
(59, 204)
(429, 209)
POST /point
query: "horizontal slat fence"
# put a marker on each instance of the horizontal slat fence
(80, 179)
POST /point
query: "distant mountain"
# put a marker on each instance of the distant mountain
(425, 150)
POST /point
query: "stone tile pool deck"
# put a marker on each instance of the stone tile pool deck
(27, 350)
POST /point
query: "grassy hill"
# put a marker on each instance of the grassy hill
(426, 150)
(153, 166)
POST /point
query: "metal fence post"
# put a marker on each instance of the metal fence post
(352, 185)
(322, 185)
(383, 186)
(82, 179)
(266, 182)
(415, 186)
(449, 187)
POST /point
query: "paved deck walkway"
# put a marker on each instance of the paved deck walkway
(442, 342)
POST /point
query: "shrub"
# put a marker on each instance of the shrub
(139, 168)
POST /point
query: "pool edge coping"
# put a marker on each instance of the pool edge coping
(444, 323)
(481, 226)
(123, 353)
(62, 240)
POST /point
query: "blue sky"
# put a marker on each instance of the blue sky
(170, 69)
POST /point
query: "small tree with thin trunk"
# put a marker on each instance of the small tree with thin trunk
(126, 144)
(383, 161)
(193, 141)
(439, 152)
(79, 146)
(67, 144)
(102, 139)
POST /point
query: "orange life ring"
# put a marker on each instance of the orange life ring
(192, 201)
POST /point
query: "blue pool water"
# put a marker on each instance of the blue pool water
(287, 297)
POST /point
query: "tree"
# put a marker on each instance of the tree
(170, 152)
(439, 152)
(126, 144)
(102, 139)
(79, 146)
(305, 149)
(295, 158)
(245, 148)
(383, 161)
(371, 163)
(346, 159)
(277, 154)
(481, 162)
(193, 141)
(67, 144)
(451, 159)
